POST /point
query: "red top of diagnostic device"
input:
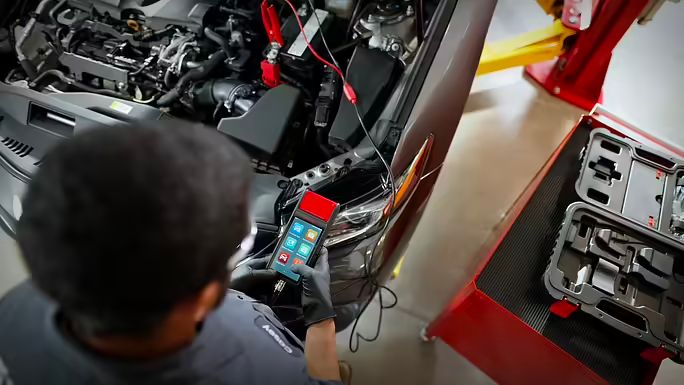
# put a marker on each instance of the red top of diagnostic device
(318, 206)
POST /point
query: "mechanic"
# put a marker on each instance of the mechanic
(127, 233)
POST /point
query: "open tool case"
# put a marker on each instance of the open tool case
(638, 182)
(619, 256)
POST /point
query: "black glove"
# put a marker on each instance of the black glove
(316, 290)
(253, 275)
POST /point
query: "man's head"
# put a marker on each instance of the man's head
(123, 224)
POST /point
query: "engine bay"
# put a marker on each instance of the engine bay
(267, 74)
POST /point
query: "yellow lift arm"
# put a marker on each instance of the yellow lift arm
(529, 48)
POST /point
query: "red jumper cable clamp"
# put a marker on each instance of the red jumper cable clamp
(270, 69)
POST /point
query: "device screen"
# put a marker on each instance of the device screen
(297, 248)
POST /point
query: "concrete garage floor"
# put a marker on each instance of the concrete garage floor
(481, 181)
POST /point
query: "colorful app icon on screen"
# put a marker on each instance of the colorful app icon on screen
(304, 250)
(311, 235)
(283, 257)
(297, 229)
(291, 243)
(297, 261)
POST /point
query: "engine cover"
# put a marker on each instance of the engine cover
(264, 128)
(158, 13)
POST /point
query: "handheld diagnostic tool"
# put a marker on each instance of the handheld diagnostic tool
(304, 235)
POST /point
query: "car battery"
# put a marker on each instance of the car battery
(295, 56)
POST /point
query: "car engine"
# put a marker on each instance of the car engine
(242, 66)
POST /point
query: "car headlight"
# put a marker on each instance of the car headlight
(364, 218)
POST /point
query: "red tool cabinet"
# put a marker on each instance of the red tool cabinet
(502, 320)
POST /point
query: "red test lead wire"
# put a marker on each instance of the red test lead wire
(349, 92)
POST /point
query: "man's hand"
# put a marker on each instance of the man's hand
(319, 348)
(316, 294)
(253, 275)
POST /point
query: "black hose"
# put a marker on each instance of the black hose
(195, 74)
(322, 141)
(352, 43)
(71, 82)
(56, 73)
(218, 39)
(200, 72)
(168, 98)
(215, 92)
(167, 79)
(225, 89)
(236, 12)
(189, 64)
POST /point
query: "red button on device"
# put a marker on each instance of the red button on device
(318, 206)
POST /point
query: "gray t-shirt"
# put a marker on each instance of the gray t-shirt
(241, 343)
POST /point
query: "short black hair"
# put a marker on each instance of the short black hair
(122, 223)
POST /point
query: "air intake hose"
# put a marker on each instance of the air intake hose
(231, 93)
(192, 75)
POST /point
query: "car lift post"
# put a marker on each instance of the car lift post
(577, 76)
(570, 58)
